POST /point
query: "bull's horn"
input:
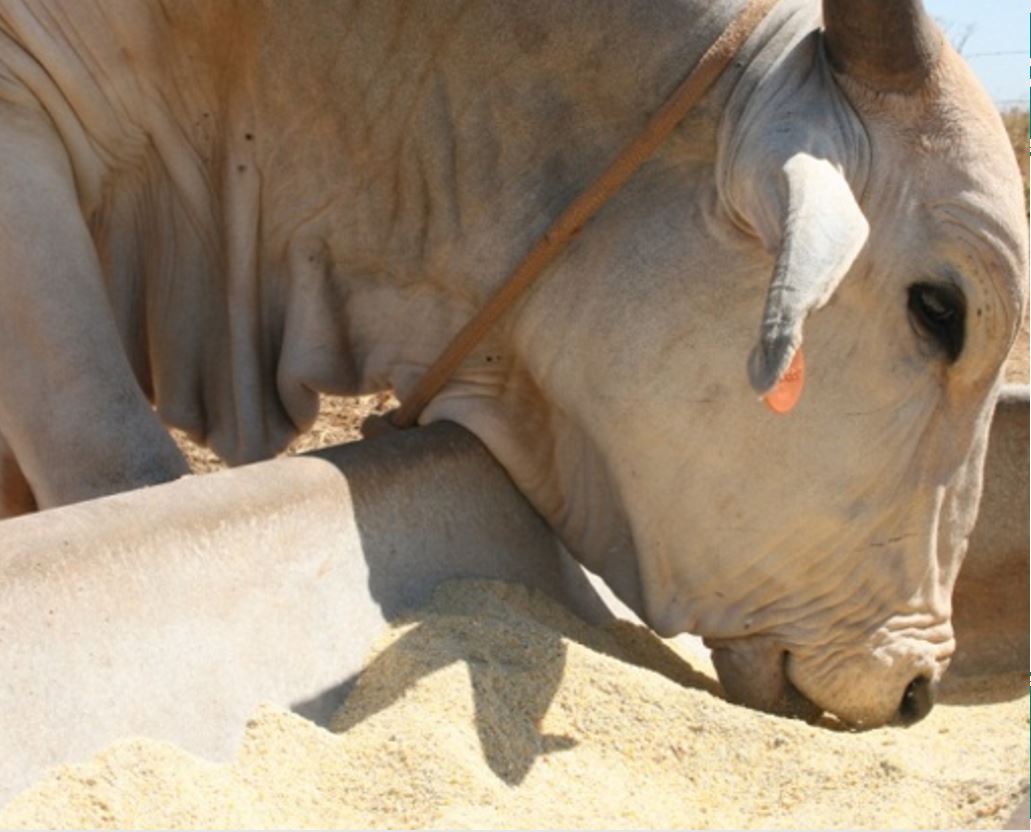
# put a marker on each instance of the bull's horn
(823, 230)
(887, 45)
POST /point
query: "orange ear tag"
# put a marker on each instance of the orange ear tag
(784, 397)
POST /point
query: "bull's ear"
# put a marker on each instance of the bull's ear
(821, 232)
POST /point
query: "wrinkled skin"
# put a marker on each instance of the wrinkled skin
(226, 230)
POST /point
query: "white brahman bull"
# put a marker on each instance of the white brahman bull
(222, 207)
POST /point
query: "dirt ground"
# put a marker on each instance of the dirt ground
(340, 420)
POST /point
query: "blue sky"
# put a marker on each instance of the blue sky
(997, 26)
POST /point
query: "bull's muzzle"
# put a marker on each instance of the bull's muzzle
(753, 673)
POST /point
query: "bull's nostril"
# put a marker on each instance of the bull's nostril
(916, 701)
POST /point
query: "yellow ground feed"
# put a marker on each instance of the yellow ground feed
(496, 708)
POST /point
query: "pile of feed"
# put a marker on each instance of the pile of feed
(494, 707)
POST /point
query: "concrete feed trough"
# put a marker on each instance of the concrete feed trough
(990, 604)
(173, 612)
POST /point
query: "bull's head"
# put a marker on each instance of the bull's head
(937, 281)
(817, 551)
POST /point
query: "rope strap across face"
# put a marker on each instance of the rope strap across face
(579, 213)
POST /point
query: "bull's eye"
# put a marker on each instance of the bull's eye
(938, 312)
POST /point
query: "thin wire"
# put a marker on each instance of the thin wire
(995, 54)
